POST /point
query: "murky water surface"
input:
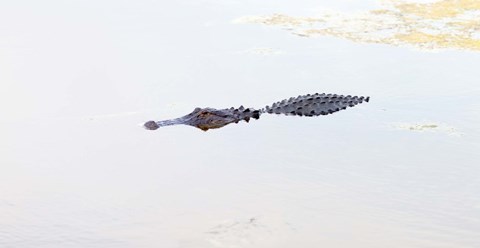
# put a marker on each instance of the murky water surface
(78, 77)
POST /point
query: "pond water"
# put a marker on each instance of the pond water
(78, 78)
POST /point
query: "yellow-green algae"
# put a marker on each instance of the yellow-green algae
(447, 24)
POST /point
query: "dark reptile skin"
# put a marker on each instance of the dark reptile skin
(306, 105)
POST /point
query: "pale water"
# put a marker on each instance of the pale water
(79, 77)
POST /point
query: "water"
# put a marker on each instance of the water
(77, 170)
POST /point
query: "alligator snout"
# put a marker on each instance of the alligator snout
(151, 125)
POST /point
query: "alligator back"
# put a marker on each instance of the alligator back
(314, 105)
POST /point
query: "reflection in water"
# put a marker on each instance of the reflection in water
(438, 25)
(307, 105)
(263, 51)
(249, 232)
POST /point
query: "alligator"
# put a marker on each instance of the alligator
(303, 105)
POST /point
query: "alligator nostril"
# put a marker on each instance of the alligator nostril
(151, 125)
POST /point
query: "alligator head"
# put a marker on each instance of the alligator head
(208, 118)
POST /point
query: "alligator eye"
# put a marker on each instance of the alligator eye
(204, 113)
